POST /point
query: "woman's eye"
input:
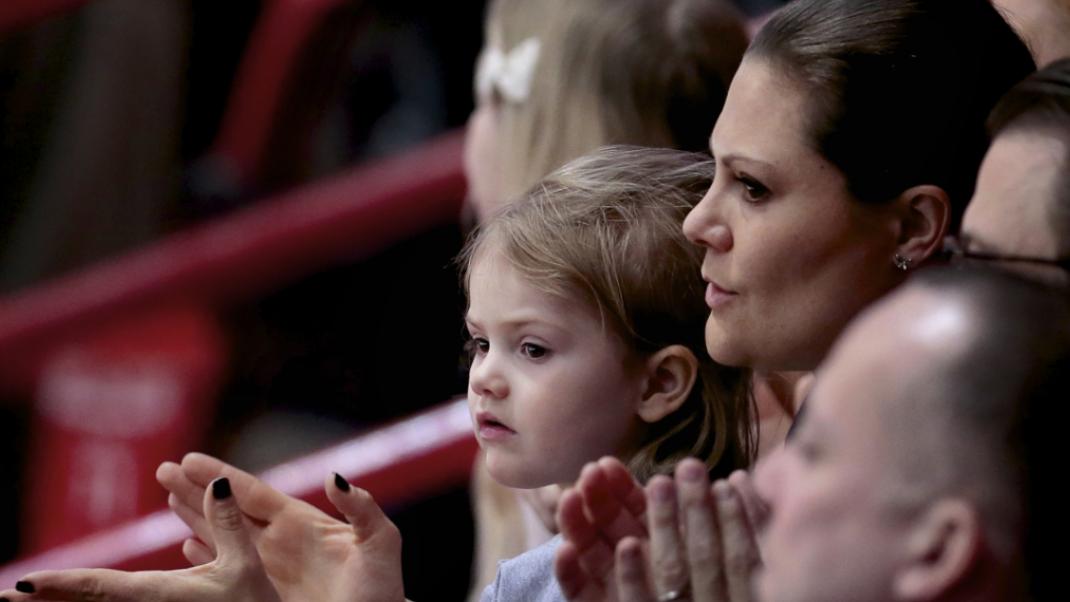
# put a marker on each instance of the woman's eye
(533, 351)
(753, 190)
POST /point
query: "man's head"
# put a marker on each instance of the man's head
(917, 471)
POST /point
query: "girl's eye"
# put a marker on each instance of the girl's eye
(533, 351)
(477, 346)
(753, 190)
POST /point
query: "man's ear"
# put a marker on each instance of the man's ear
(942, 549)
(925, 217)
(671, 373)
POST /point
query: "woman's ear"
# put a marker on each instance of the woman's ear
(671, 373)
(925, 219)
(942, 549)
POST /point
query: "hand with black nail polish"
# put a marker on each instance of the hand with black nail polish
(308, 554)
(236, 575)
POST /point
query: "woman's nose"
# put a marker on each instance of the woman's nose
(705, 226)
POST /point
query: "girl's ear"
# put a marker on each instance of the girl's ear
(925, 220)
(671, 373)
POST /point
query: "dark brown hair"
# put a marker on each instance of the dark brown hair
(899, 90)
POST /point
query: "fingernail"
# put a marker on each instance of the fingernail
(692, 471)
(663, 491)
(722, 491)
(25, 587)
(341, 483)
(221, 488)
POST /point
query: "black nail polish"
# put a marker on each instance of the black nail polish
(25, 587)
(221, 488)
(341, 483)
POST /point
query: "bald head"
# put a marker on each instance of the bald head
(982, 364)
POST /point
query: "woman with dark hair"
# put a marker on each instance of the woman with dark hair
(848, 147)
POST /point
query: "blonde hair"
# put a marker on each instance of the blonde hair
(649, 72)
(605, 230)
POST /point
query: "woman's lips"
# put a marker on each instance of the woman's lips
(717, 296)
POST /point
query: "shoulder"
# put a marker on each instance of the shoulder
(529, 576)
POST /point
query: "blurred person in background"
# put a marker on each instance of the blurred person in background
(1043, 24)
(1019, 217)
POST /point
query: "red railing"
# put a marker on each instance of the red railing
(346, 217)
(19, 13)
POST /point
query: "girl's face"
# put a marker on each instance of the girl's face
(549, 390)
(790, 255)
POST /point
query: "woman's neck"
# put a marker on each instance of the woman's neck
(775, 399)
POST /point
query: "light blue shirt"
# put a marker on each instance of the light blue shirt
(527, 578)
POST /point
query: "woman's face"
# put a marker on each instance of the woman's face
(790, 255)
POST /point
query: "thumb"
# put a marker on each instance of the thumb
(234, 544)
(361, 511)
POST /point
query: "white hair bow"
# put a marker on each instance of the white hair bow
(510, 73)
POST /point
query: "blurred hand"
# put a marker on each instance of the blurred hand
(236, 574)
(698, 542)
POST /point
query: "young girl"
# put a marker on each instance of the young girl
(557, 79)
(586, 316)
(586, 313)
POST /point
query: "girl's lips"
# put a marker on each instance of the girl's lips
(717, 296)
(490, 428)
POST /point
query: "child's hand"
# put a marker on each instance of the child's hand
(236, 575)
(308, 554)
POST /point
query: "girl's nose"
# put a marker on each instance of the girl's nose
(486, 378)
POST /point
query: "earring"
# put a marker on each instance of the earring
(903, 263)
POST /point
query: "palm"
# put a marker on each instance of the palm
(308, 554)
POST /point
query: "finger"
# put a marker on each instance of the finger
(194, 518)
(666, 551)
(577, 585)
(360, 510)
(89, 584)
(605, 511)
(174, 480)
(595, 555)
(230, 531)
(701, 532)
(632, 582)
(196, 552)
(740, 550)
(625, 488)
(258, 500)
(753, 504)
